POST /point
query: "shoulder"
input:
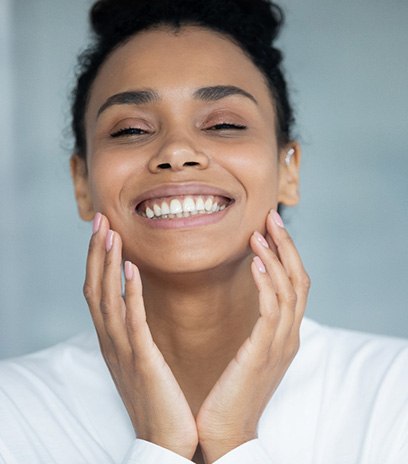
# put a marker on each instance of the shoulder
(352, 351)
(50, 363)
(56, 372)
(361, 385)
(354, 364)
(62, 396)
(347, 392)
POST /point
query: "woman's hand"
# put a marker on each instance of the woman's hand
(155, 403)
(230, 414)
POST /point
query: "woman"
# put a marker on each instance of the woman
(183, 155)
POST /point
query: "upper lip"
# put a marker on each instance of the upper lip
(173, 189)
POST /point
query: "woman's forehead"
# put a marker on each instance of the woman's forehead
(177, 61)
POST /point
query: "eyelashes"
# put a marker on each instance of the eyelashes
(135, 131)
(128, 131)
(227, 126)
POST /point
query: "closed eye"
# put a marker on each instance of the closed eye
(226, 126)
(128, 131)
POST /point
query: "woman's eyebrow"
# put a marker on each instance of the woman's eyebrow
(131, 97)
(218, 92)
(142, 97)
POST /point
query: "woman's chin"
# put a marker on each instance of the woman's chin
(200, 263)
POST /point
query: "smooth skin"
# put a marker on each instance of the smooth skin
(206, 309)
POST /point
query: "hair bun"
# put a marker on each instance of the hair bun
(264, 16)
(106, 16)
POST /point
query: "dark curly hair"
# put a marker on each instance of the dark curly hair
(251, 24)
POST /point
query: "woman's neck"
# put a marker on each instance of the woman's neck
(199, 321)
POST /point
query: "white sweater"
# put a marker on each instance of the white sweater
(344, 400)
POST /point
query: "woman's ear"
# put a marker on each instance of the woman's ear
(79, 174)
(289, 165)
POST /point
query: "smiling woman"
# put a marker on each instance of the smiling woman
(183, 157)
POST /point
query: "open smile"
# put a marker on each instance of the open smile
(182, 206)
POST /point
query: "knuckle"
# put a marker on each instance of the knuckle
(272, 314)
(105, 307)
(290, 297)
(89, 292)
(306, 281)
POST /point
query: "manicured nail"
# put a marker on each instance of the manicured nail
(128, 270)
(109, 240)
(276, 217)
(259, 265)
(96, 222)
(261, 239)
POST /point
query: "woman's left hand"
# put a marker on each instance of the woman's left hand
(230, 414)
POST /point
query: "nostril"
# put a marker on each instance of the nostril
(164, 166)
(190, 163)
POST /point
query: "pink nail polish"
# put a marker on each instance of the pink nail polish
(128, 270)
(96, 222)
(259, 265)
(261, 239)
(278, 220)
(109, 240)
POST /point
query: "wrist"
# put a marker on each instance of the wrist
(215, 448)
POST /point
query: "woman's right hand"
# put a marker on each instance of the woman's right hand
(154, 400)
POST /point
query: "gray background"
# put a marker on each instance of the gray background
(347, 67)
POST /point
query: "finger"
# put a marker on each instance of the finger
(274, 269)
(92, 288)
(291, 261)
(285, 294)
(264, 330)
(112, 304)
(273, 337)
(138, 331)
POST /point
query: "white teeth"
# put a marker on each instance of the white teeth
(189, 205)
(149, 213)
(157, 210)
(208, 204)
(200, 204)
(165, 208)
(175, 207)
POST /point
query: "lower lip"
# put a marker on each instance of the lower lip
(197, 220)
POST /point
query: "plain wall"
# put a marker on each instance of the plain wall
(348, 71)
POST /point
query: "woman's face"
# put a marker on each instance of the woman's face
(182, 122)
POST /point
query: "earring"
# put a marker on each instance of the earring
(289, 155)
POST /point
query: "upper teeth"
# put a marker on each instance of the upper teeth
(184, 207)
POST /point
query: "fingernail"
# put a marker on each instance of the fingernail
(128, 270)
(277, 219)
(261, 239)
(96, 222)
(259, 265)
(109, 240)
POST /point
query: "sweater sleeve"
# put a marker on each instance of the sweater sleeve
(145, 452)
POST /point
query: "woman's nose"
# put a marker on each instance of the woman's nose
(178, 154)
